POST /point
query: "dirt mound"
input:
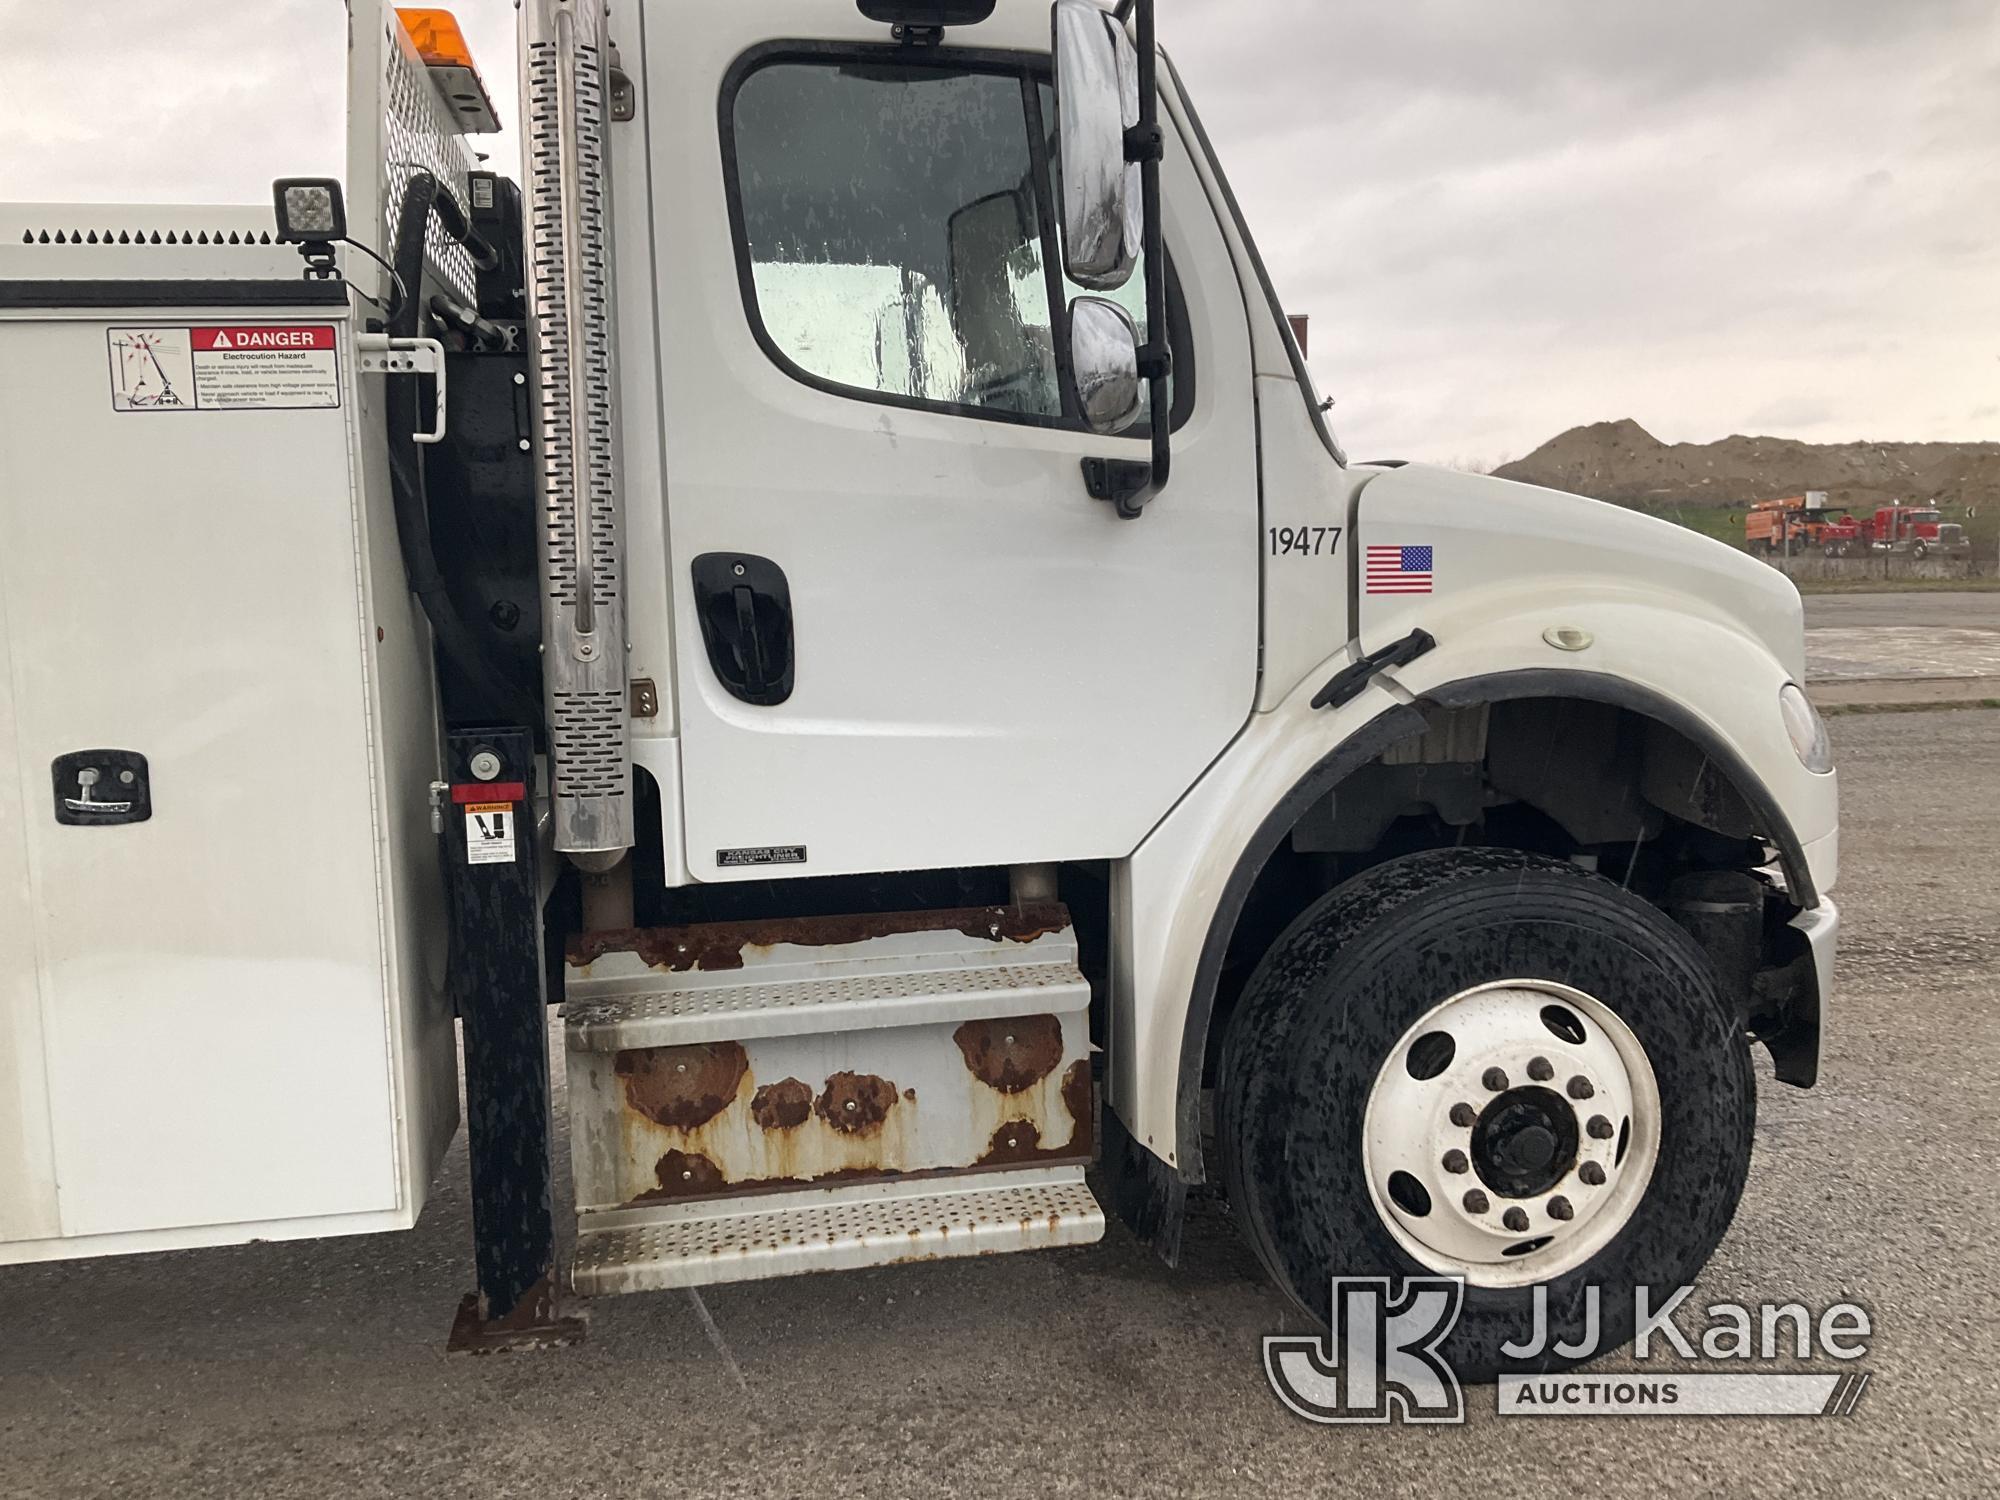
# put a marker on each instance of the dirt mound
(1621, 461)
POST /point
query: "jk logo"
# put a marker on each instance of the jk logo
(1379, 1362)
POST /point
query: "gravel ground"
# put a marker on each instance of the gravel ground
(316, 1369)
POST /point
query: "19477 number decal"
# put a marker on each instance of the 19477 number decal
(1304, 541)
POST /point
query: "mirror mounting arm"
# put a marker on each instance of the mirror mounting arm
(1145, 143)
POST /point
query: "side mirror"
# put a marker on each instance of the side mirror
(1104, 353)
(985, 238)
(1097, 101)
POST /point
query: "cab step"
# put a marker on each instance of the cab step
(751, 1099)
(737, 981)
(837, 1229)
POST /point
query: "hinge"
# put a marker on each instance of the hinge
(624, 94)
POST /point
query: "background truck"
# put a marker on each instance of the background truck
(840, 580)
(1790, 524)
(1916, 529)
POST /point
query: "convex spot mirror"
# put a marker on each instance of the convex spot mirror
(1097, 101)
(1104, 353)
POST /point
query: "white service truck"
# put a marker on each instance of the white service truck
(841, 581)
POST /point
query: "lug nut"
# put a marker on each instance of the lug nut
(1495, 1079)
(1475, 1202)
(1455, 1162)
(1600, 1128)
(1579, 1087)
(1559, 1209)
(1515, 1219)
(1541, 1069)
(1591, 1173)
(1464, 1116)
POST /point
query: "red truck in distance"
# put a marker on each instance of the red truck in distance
(1916, 530)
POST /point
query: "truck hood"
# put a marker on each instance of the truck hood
(1492, 541)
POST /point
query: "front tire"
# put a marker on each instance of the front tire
(1366, 1132)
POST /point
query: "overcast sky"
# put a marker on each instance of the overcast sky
(1768, 216)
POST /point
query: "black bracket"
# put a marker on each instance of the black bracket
(1145, 143)
(1119, 480)
(497, 977)
(1346, 684)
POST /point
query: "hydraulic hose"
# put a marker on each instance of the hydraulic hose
(455, 638)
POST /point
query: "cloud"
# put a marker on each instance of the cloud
(1504, 219)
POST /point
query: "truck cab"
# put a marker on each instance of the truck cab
(1919, 531)
(861, 607)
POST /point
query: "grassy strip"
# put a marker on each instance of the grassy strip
(1897, 585)
(1828, 710)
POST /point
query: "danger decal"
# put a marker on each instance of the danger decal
(225, 367)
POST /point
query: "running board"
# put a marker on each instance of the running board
(929, 1066)
(835, 1229)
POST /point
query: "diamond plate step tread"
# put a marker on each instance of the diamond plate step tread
(841, 1229)
(655, 1016)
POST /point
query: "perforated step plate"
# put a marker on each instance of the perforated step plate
(735, 981)
(705, 1062)
(834, 1229)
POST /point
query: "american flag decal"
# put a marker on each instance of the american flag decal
(1399, 570)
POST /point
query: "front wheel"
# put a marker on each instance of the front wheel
(1489, 1065)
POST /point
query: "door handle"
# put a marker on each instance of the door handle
(749, 639)
(744, 604)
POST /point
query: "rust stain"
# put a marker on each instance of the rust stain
(856, 1103)
(1016, 1140)
(784, 1105)
(684, 1174)
(683, 1088)
(1077, 1099)
(1011, 1054)
(704, 1185)
(722, 945)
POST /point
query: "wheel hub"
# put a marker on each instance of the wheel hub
(1525, 1142)
(1511, 1132)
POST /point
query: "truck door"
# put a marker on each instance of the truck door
(905, 635)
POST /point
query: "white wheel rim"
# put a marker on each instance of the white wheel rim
(1489, 1213)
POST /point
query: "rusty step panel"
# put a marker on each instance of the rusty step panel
(836, 1229)
(889, 1055)
(732, 981)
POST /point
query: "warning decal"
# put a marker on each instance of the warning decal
(489, 833)
(241, 367)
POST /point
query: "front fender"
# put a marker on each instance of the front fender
(1176, 899)
(1713, 682)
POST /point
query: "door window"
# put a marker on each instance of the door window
(891, 229)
